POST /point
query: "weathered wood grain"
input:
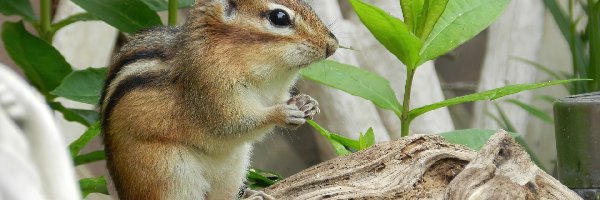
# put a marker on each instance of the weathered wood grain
(426, 167)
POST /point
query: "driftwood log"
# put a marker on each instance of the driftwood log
(426, 167)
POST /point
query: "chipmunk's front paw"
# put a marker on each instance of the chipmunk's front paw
(306, 104)
(292, 117)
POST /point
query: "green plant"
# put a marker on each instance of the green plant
(583, 45)
(48, 71)
(430, 29)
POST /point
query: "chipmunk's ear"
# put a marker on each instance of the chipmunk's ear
(230, 8)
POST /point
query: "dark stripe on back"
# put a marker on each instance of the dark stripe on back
(125, 60)
(151, 79)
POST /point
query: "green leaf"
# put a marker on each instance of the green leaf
(90, 116)
(76, 146)
(532, 110)
(431, 14)
(461, 21)
(84, 117)
(340, 149)
(162, 5)
(72, 19)
(476, 138)
(82, 86)
(355, 81)
(258, 179)
(43, 65)
(390, 31)
(367, 140)
(89, 158)
(411, 10)
(18, 7)
(346, 142)
(344, 145)
(93, 185)
(128, 16)
(486, 95)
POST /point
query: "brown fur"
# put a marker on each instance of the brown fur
(212, 97)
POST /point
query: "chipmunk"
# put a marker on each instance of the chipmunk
(182, 106)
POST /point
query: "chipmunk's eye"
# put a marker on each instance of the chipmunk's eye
(280, 18)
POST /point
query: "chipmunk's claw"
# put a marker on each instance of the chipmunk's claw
(294, 117)
(306, 104)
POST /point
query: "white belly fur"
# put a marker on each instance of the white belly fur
(215, 177)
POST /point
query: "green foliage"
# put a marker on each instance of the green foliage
(412, 10)
(390, 31)
(354, 81)
(84, 117)
(18, 7)
(93, 185)
(162, 5)
(432, 12)
(461, 21)
(43, 65)
(89, 158)
(486, 95)
(258, 179)
(343, 145)
(72, 19)
(337, 143)
(128, 16)
(431, 27)
(76, 146)
(366, 140)
(82, 86)
(584, 46)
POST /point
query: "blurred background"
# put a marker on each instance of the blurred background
(526, 30)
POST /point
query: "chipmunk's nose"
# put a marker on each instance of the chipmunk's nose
(332, 45)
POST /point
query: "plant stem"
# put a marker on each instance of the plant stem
(405, 120)
(173, 8)
(45, 24)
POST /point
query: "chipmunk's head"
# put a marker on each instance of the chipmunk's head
(284, 33)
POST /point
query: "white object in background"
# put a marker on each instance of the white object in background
(34, 161)
(516, 34)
